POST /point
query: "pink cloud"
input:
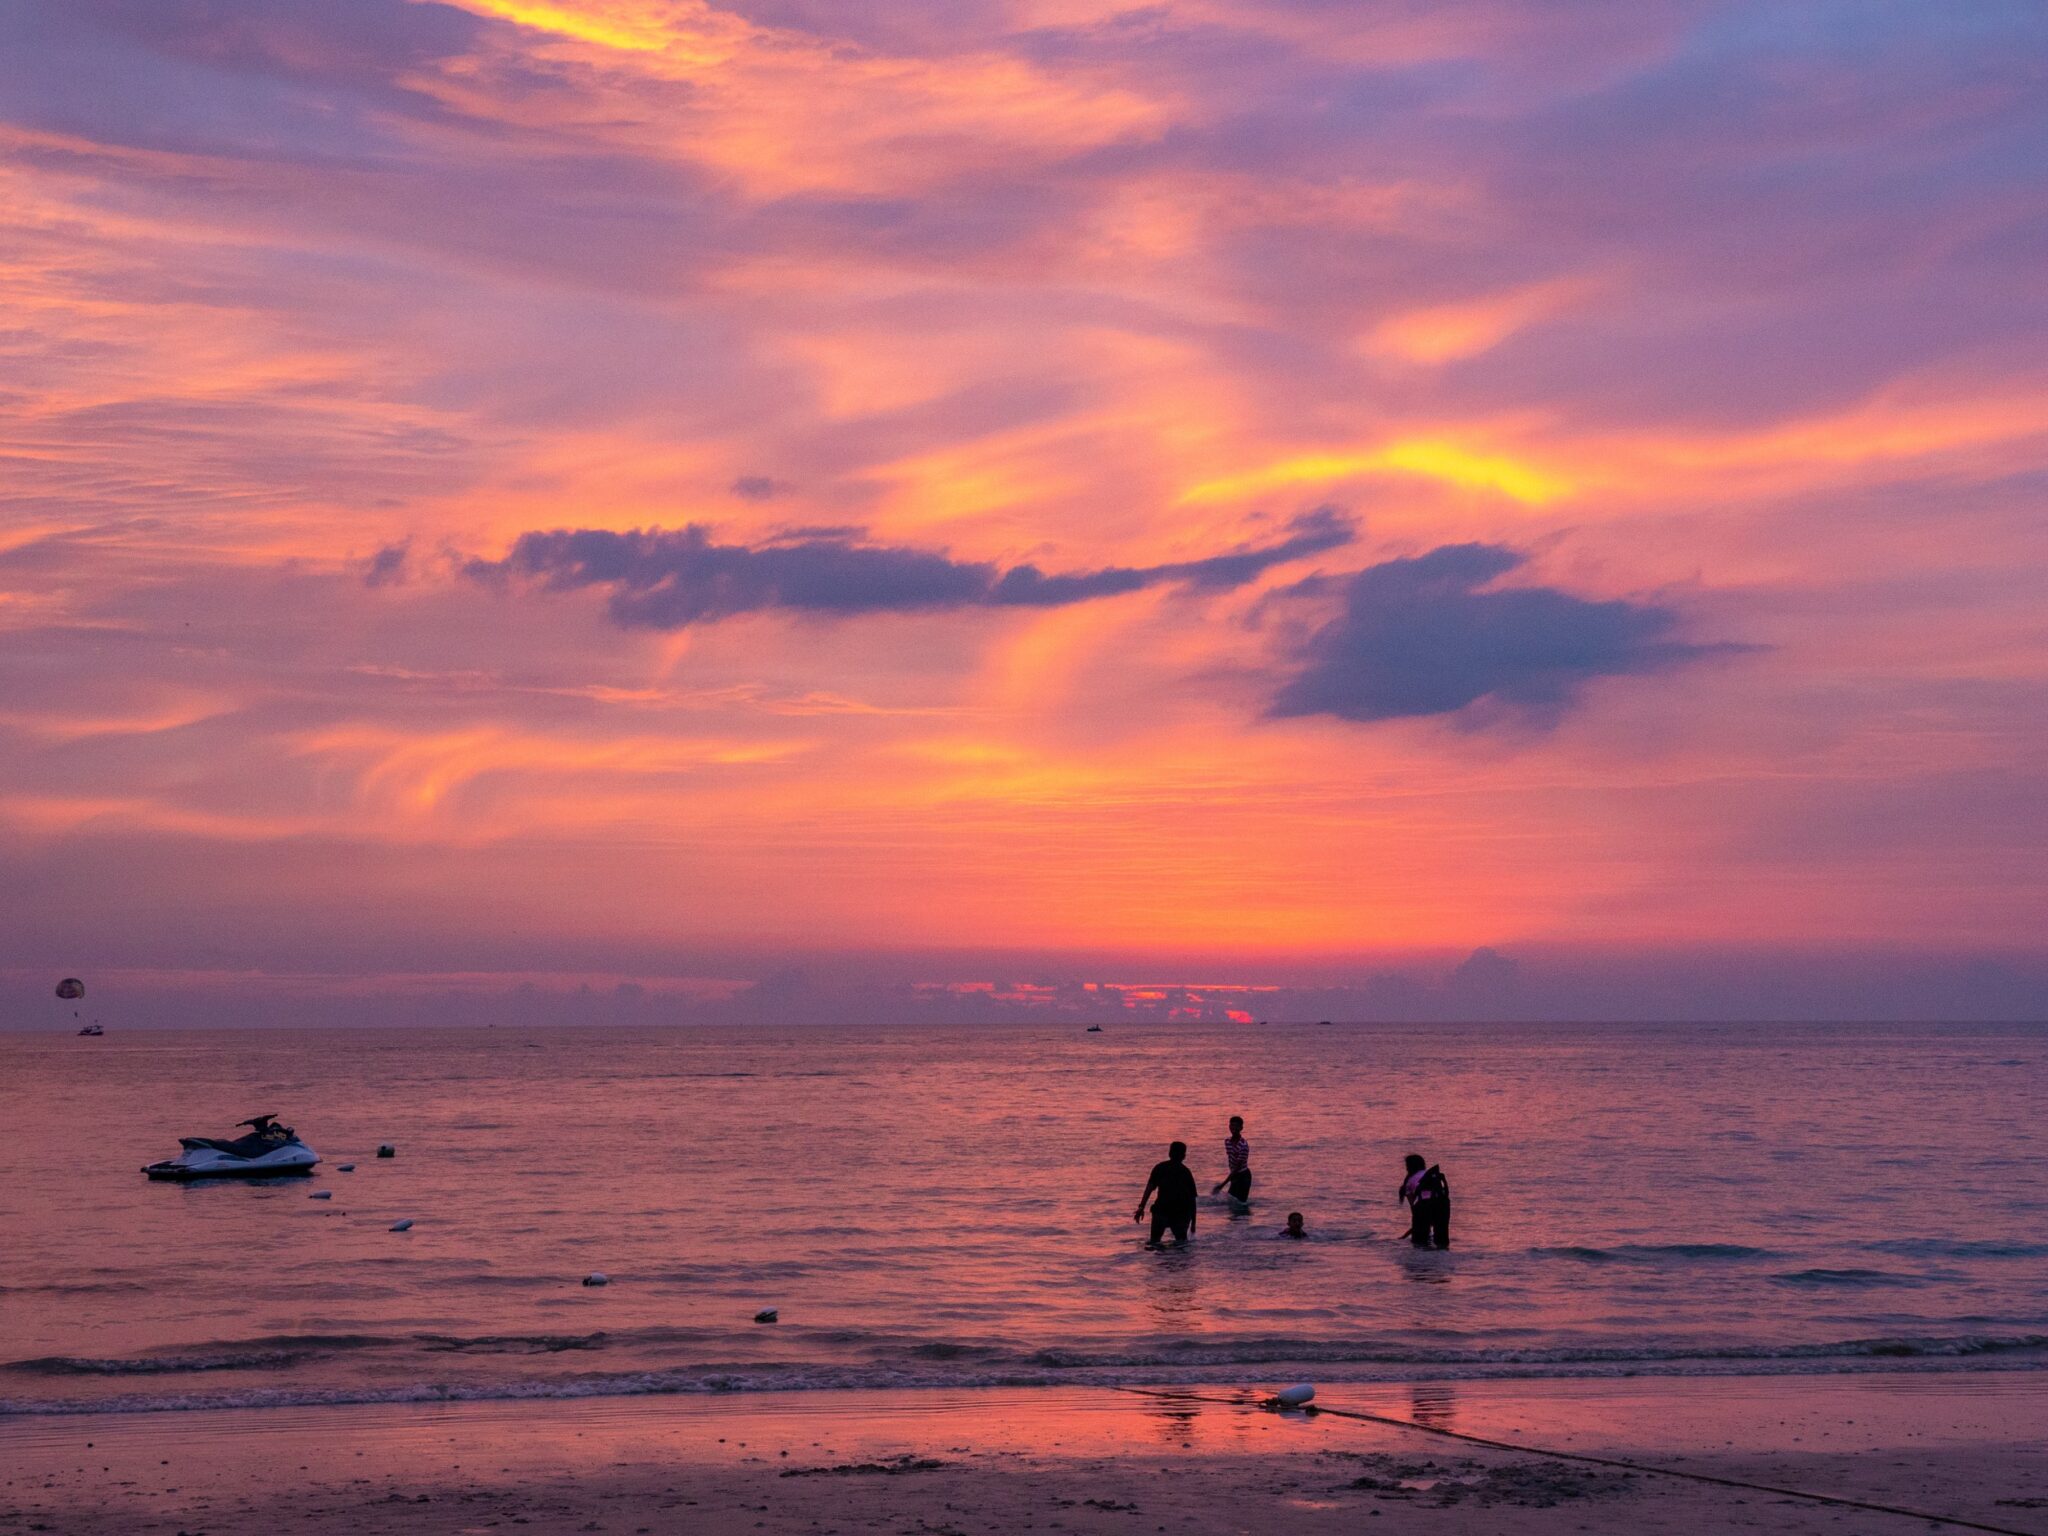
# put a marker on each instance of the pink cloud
(1709, 313)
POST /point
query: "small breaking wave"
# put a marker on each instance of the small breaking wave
(286, 1351)
(75, 1288)
(984, 1366)
(157, 1365)
(511, 1343)
(1958, 1248)
(1656, 1253)
(1649, 1360)
(1847, 1279)
(276, 1352)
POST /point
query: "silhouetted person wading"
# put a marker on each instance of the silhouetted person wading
(1427, 1194)
(1175, 1188)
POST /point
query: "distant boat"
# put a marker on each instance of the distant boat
(1322, 1021)
(1094, 1029)
(92, 1029)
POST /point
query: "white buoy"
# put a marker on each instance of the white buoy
(402, 1226)
(1296, 1397)
(321, 1194)
(766, 1315)
(597, 1277)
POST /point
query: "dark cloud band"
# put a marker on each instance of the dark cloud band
(672, 578)
(1431, 635)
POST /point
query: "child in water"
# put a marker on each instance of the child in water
(1294, 1228)
(1237, 1153)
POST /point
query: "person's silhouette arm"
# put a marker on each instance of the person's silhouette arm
(1150, 1185)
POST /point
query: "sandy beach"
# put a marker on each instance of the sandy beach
(1965, 1447)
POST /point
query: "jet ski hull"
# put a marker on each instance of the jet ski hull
(291, 1160)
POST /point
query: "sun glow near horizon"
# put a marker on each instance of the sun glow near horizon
(612, 480)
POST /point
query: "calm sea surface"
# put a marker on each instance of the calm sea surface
(950, 1207)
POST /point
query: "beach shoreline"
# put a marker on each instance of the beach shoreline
(1073, 1459)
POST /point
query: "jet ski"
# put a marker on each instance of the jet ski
(269, 1151)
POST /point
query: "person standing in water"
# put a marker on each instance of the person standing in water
(1427, 1194)
(1238, 1152)
(1175, 1206)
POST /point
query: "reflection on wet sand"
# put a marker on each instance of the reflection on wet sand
(1434, 1404)
(1171, 1416)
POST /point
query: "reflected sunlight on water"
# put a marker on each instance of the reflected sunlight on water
(951, 1207)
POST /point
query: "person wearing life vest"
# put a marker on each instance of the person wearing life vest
(1427, 1194)
(1237, 1153)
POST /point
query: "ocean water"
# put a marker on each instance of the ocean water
(941, 1208)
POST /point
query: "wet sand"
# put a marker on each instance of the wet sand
(1055, 1460)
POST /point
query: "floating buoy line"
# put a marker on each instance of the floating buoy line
(1647, 1468)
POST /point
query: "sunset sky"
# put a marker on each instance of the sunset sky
(638, 508)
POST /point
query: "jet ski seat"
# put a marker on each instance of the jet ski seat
(255, 1144)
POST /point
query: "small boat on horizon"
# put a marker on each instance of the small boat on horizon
(92, 1029)
(1094, 1029)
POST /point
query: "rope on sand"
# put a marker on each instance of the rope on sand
(1601, 1461)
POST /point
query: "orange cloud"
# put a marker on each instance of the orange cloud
(1441, 333)
(1055, 283)
(1431, 458)
(783, 113)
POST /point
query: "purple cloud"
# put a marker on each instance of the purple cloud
(1429, 635)
(672, 578)
(387, 566)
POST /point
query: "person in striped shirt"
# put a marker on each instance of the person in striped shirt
(1239, 1153)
